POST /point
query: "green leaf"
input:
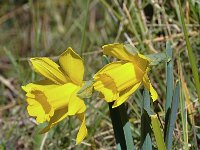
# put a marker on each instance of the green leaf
(157, 58)
(39, 139)
(172, 117)
(146, 143)
(126, 127)
(131, 49)
(121, 127)
(87, 90)
(170, 84)
(157, 132)
(105, 60)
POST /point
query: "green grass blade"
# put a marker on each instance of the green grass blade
(184, 120)
(39, 139)
(190, 53)
(157, 132)
(169, 76)
(146, 143)
(184, 97)
(170, 84)
(172, 117)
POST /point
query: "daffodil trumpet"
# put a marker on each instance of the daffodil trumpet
(54, 98)
(116, 81)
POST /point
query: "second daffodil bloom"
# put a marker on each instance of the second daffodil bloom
(54, 98)
(116, 81)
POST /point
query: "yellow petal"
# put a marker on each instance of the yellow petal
(125, 75)
(59, 97)
(109, 67)
(76, 105)
(126, 95)
(106, 86)
(39, 85)
(39, 107)
(58, 116)
(49, 69)
(149, 87)
(117, 50)
(141, 61)
(82, 133)
(72, 64)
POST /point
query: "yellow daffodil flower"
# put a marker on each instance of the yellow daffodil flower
(54, 98)
(118, 80)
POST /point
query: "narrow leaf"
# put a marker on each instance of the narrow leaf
(170, 84)
(172, 117)
(157, 132)
(157, 58)
(169, 76)
(146, 143)
(126, 127)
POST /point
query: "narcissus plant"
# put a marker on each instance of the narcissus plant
(116, 81)
(55, 98)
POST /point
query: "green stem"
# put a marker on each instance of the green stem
(117, 127)
(121, 127)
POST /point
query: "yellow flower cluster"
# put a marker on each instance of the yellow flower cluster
(55, 98)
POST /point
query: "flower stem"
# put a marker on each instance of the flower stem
(121, 127)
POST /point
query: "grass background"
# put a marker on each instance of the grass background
(30, 28)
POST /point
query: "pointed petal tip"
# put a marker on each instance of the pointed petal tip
(80, 139)
(23, 87)
(31, 60)
(70, 62)
(115, 105)
(154, 97)
(70, 49)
